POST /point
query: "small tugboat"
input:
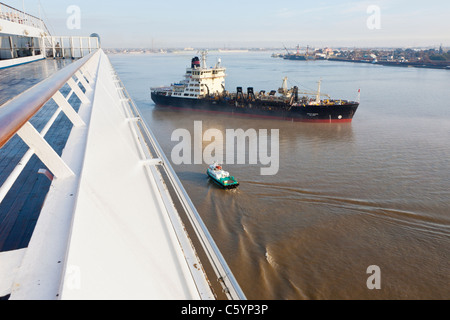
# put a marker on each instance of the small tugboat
(203, 89)
(221, 177)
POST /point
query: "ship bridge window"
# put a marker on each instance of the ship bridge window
(21, 46)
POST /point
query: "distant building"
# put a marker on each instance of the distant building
(386, 58)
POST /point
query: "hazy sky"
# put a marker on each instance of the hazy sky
(232, 23)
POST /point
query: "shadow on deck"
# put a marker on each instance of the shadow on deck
(20, 209)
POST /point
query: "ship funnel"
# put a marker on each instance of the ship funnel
(195, 63)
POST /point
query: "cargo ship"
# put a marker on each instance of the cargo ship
(298, 55)
(203, 89)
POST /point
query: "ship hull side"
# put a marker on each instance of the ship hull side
(332, 113)
(220, 184)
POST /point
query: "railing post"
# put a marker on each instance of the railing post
(44, 151)
(72, 55)
(68, 110)
(11, 43)
(43, 47)
(86, 74)
(63, 54)
(83, 81)
(77, 91)
(53, 46)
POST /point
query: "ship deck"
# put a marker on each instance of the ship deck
(21, 207)
(17, 79)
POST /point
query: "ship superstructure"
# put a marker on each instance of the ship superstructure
(21, 37)
(25, 38)
(199, 80)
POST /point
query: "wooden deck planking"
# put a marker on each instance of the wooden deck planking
(15, 80)
(21, 207)
(24, 202)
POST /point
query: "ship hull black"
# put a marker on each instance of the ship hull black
(295, 57)
(262, 109)
(298, 57)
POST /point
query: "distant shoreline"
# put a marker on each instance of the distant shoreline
(398, 64)
(416, 64)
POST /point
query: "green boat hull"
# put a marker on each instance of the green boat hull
(229, 183)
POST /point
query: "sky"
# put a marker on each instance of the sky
(248, 23)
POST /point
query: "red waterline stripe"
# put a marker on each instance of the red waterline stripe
(260, 116)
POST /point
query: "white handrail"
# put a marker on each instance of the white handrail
(16, 113)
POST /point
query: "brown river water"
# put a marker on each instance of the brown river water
(374, 192)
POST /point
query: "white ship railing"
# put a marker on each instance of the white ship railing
(70, 47)
(14, 119)
(13, 15)
(15, 116)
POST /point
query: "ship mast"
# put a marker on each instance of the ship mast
(204, 53)
(318, 92)
(284, 86)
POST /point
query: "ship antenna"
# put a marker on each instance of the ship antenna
(204, 53)
(318, 92)
(358, 99)
(284, 85)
